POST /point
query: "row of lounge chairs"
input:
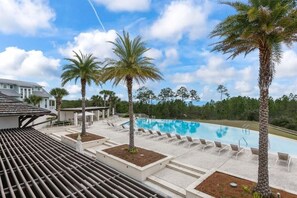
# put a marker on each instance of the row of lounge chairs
(236, 149)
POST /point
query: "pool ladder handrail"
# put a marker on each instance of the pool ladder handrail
(245, 129)
(242, 138)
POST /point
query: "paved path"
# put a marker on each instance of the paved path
(246, 165)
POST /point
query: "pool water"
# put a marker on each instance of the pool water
(225, 134)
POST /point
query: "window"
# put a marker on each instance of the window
(45, 103)
(52, 103)
(25, 93)
(11, 86)
(4, 86)
(22, 93)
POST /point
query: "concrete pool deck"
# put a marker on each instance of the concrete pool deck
(246, 165)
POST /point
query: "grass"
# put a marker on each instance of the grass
(252, 125)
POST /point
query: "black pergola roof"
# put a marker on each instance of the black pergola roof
(35, 165)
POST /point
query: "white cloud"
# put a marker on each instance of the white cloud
(246, 80)
(43, 84)
(288, 65)
(243, 86)
(215, 72)
(179, 18)
(25, 16)
(279, 88)
(127, 5)
(154, 53)
(95, 42)
(20, 63)
(73, 89)
(183, 78)
(171, 57)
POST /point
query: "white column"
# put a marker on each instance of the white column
(103, 113)
(113, 111)
(92, 116)
(108, 113)
(75, 119)
(98, 115)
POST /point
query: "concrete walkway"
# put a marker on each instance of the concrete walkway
(246, 165)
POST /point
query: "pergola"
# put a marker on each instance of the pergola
(90, 111)
(34, 165)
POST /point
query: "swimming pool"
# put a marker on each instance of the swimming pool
(225, 134)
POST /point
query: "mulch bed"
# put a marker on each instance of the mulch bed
(85, 138)
(218, 185)
(142, 158)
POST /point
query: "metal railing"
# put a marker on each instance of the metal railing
(242, 138)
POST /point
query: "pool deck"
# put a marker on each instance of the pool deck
(245, 166)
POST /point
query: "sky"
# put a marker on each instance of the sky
(37, 35)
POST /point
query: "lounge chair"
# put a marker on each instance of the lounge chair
(170, 137)
(191, 141)
(160, 135)
(152, 134)
(220, 146)
(205, 143)
(236, 149)
(141, 131)
(180, 140)
(255, 151)
(284, 157)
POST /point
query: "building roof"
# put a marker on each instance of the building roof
(19, 83)
(42, 93)
(87, 109)
(35, 165)
(10, 106)
(10, 92)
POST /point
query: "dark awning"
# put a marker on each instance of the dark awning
(35, 165)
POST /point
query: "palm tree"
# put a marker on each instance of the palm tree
(86, 68)
(105, 93)
(130, 66)
(261, 25)
(59, 93)
(33, 99)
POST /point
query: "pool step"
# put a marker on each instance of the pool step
(90, 153)
(110, 143)
(167, 185)
(183, 170)
(55, 137)
(71, 130)
(189, 168)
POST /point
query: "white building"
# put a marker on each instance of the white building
(17, 114)
(21, 90)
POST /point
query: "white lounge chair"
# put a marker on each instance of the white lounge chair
(170, 138)
(205, 143)
(180, 140)
(160, 136)
(191, 141)
(236, 149)
(284, 157)
(220, 146)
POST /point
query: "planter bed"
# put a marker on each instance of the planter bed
(217, 184)
(139, 165)
(90, 140)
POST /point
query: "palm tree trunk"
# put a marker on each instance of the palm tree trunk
(131, 116)
(265, 78)
(83, 107)
(59, 104)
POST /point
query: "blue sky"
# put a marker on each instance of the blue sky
(36, 36)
